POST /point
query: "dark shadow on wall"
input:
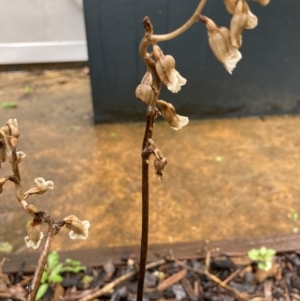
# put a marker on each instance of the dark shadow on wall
(266, 80)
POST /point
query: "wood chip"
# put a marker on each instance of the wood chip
(171, 280)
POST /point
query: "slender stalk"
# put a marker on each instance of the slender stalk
(146, 152)
(182, 29)
(150, 38)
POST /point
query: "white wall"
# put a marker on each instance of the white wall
(42, 31)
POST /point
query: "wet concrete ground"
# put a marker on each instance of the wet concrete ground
(225, 178)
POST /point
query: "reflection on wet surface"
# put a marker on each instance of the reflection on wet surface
(224, 178)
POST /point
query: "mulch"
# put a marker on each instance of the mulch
(222, 278)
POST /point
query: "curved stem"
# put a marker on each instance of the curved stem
(182, 29)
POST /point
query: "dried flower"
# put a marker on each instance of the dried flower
(41, 187)
(34, 234)
(220, 44)
(176, 121)
(13, 131)
(165, 67)
(2, 182)
(159, 165)
(20, 156)
(238, 24)
(251, 18)
(230, 6)
(144, 91)
(79, 229)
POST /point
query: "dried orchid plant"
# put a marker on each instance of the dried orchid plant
(9, 136)
(225, 44)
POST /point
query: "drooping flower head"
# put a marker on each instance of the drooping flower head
(79, 229)
(220, 44)
(176, 121)
(231, 6)
(41, 187)
(165, 68)
(238, 24)
(35, 235)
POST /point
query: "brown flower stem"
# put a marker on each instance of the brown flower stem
(146, 152)
(182, 29)
(150, 38)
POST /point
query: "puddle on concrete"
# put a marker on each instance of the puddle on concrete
(224, 178)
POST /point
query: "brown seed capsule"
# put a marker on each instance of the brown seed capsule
(34, 234)
(145, 93)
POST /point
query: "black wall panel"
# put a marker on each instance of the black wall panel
(266, 80)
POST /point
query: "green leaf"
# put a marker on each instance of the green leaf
(53, 259)
(86, 279)
(270, 253)
(44, 277)
(55, 278)
(5, 247)
(74, 270)
(262, 266)
(253, 254)
(295, 216)
(9, 105)
(56, 271)
(263, 251)
(41, 291)
(27, 89)
(72, 262)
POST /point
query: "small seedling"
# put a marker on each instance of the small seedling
(53, 271)
(9, 105)
(263, 256)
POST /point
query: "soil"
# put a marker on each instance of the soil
(234, 177)
(221, 278)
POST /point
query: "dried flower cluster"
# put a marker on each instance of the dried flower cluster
(9, 135)
(225, 42)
